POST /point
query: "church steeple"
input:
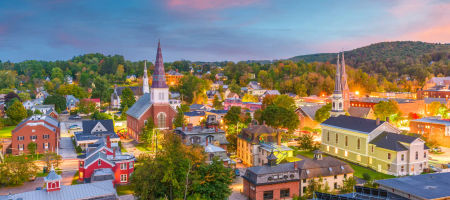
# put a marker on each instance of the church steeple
(345, 90)
(337, 100)
(146, 88)
(159, 76)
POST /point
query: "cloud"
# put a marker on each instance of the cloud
(208, 4)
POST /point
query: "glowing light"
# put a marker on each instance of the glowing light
(357, 92)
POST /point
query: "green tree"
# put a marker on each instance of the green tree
(323, 113)
(213, 181)
(86, 107)
(24, 96)
(385, 109)
(127, 98)
(16, 112)
(57, 73)
(280, 117)
(123, 115)
(72, 89)
(233, 115)
(51, 159)
(57, 100)
(285, 101)
(16, 170)
(32, 148)
(306, 142)
(233, 131)
(315, 185)
(250, 98)
(348, 185)
(7, 79)
(179, 118)
(101, 89)
(217, 104)
(100, 116)
(148, 131)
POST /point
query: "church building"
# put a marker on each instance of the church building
(154, 103)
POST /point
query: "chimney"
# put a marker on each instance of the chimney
(114, 153)
(295, 165)
(190, 126)
(216, 128)
(206, 141)
(108, 142)
(278, 138)
(378, 121)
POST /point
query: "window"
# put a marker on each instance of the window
(20, 138)
(346, 153)
(284, 193)
(424, 154)
(335, 176)
(328, 136)
(359, 143)
(123, 178)
(372, 148)
(46, 136)
(268, 194)
(346, 141)
(340, 105)
(81, 164)
(99, 162)
(46, 145)
(389, 156)
(33, 137)
(32, 130)
(417, 155)
(304, 189)
(420, 166)
(123, 166)
(403, 157)
(403, 169)
(337, 138)
(20, 146)
(335, 186)
(304, 180)
(336, 150)
(388, 166)
(161, 120)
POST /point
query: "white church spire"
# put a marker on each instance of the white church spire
(146, 88)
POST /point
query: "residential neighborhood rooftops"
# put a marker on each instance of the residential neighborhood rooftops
(195, 113)
(353, 123)
(433, 121)
(424, 186)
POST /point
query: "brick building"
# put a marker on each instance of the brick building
(173, 77)
(40, 129)
(435, 129)
(154, 103)
(104, 161)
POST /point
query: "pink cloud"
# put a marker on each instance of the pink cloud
(208, 4)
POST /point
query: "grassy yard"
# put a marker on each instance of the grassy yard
(124, 190)
(359, 170)
(6, 132)
(143, 147)
(75, 178)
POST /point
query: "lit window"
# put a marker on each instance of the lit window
(389, 156)
(346, 153)
(123, 166)
(335, 150)
(131, 165)
(123, 178)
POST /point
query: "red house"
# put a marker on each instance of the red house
(40, 129)
(153, 104)
(105, 162)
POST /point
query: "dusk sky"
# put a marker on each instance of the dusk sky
(212, 30)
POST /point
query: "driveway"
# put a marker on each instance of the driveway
(66, 148)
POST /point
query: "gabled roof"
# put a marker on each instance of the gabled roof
(328, 166)
(141, 105)
(310, 111)
(196, 107)
(352, 123)
(88, 125)
(194, 113)
(361, 112)
(95, 157)
(392, 141)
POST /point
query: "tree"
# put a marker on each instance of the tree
(323, 113)
(123, 115)
(306, 142)
(16, 170)
(100, 116)
(268, 100)
(233, 131)
(101, 89)
(51, 159)
(32, 148)
(250, 98)
(24, 96)
(179, 118)
(16, 112)
(127, 98)
(57, 100)
(86, 107)
(7, 78)
(217, 104)
(385, 109)
(433, 108)
(315, 185)
(285, 101)
(72, 89)
(213, 181)
(57, 73)
(233, 115)
(148, 131)
(348, 185)
(280, 117)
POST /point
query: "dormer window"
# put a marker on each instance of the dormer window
(99, 162)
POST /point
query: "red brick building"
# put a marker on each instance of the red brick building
(436, 130)
(102, 161)
(40, 129)
(433, 93)
(153, 104)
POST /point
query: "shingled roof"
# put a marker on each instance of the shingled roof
(140, 106)
(253, 133)
(352, 123)
(392, 141)
(309, 111)
(327, 166)
(359, 111)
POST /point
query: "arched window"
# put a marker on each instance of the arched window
(340, 105)
(161, 120)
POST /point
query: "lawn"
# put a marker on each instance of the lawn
(143, 147)
(6, 132)
(359, 170)
(124, 190)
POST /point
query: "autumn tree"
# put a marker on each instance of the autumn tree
(280, 117)
(179, 120)
(217, 104)
(16, 112)
(385, 109)
(16, 170)
(51, 159)
(86, 107)
(323, 113)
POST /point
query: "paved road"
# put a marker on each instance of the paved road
(66, 148)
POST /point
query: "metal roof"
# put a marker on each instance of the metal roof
(392, 141)
(141, 105)
(353, 123)
(433, 121)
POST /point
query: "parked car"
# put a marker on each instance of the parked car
(74, 127)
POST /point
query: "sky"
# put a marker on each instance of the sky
(212, 30)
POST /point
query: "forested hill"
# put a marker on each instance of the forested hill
(387, 57)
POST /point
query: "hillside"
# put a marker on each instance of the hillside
(389, 57)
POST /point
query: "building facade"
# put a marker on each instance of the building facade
(374, 144)
(435, 129)
(154, 103)
(40, 129)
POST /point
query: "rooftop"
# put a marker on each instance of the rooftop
(393, 141)
(433, 121)
(352, 123)
(426, 186)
